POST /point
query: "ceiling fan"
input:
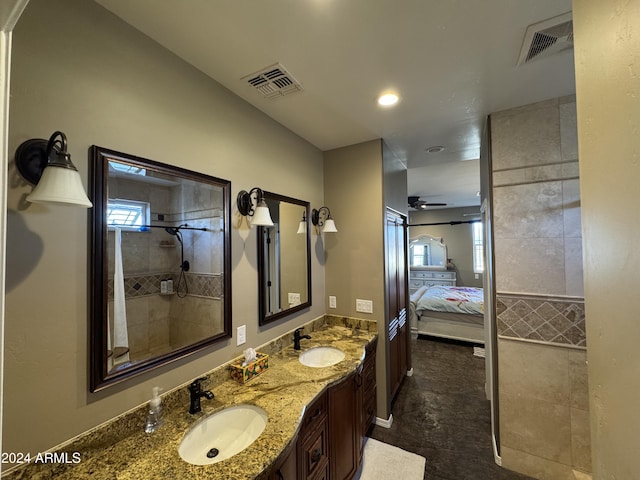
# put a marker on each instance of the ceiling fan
(415, 202)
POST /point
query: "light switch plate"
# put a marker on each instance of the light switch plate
(241, 335)
(294, 298)
(332, 301)
(364, 306)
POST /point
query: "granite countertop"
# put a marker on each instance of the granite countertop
(283, 391)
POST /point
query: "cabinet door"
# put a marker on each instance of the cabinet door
(287, 469)
(397, 328)
(344, 419)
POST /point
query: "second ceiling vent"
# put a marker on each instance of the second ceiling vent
(273, 82)
(546, 38)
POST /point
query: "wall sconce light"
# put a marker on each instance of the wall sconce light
(327, 225)
(302, 227)
(259, 214)
(48, 166)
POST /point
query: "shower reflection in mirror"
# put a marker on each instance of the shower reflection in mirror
(165, 254)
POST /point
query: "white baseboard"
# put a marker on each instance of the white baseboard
(410, 373)
(497, 458)
(381, 422)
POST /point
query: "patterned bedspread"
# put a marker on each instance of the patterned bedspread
(444, 298)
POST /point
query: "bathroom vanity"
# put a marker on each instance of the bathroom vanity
(317, 420)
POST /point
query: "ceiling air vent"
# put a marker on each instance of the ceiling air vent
(547, 38)
(273, 82)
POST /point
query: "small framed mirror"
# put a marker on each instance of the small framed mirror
(161, 264)
(427, 252)
(284, 259)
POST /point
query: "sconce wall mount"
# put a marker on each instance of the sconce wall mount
(259, 213)
(321, 218)
(48, 166)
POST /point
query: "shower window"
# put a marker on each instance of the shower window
(128, 214)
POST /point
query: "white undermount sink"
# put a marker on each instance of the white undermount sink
(223, 434)
(319, 357)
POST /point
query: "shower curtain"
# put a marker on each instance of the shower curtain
(120, 338)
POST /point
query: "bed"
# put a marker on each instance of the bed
(448, 312)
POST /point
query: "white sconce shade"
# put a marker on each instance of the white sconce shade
(262, 216)
(48, 166)
(302, 226)
(329, 226)
(60, 186)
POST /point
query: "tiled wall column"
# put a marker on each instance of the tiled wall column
(544, 429)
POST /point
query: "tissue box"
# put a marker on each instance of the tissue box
(243, 374)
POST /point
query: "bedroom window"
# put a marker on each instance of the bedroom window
(478, 250)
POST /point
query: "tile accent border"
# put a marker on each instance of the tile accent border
(207, 285)
(541, 318)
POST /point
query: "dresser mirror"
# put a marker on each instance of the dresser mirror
(160, 266)
(427, 252)
(284, 259)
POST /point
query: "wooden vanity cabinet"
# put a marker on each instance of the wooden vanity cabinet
(313, 441)
(344, 427)
(333, 429)
(367, 394)
(352, 411)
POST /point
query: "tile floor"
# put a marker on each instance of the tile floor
(442, 414)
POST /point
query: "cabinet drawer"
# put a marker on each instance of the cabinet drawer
(430, 283)
(313, 453)
(413, 283)
(417, 274)
(315, 414)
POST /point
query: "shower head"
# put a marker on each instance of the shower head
(174, 230)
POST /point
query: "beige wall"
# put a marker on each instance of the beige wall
(103, 83)
(458, 238)
(544, 428)
(607, 36)
(354, 266)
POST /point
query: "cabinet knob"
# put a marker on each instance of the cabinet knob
(316, 455)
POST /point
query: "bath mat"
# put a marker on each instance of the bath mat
(381, 461)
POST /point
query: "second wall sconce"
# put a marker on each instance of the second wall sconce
(259, 213)
(302, 226)
(322, 218)
(48, 166)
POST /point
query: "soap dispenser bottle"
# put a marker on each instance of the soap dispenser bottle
(154, 417)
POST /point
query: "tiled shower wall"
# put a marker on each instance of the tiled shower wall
(544, 429)
(157, 323)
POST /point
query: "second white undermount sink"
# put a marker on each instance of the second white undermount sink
(319, 357)
(223, 434)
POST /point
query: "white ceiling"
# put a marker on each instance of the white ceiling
(453, 62)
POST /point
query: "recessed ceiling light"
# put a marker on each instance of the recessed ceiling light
(435, 149)
(388, 99)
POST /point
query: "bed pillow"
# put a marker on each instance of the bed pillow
(418, 293)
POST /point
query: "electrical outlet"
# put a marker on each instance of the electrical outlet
(332, 301)
(477, 276)
(364, 306)
(241, 335)
(294, 298)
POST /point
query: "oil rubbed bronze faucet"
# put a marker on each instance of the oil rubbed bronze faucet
(196, 393)
(297, 337)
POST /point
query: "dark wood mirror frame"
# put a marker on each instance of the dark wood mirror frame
(100, 377)
(266, 317)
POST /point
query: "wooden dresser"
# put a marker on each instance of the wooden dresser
(421, 278)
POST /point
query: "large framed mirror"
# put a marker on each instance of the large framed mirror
(428, 253)
(284, 259)
(161, 264)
